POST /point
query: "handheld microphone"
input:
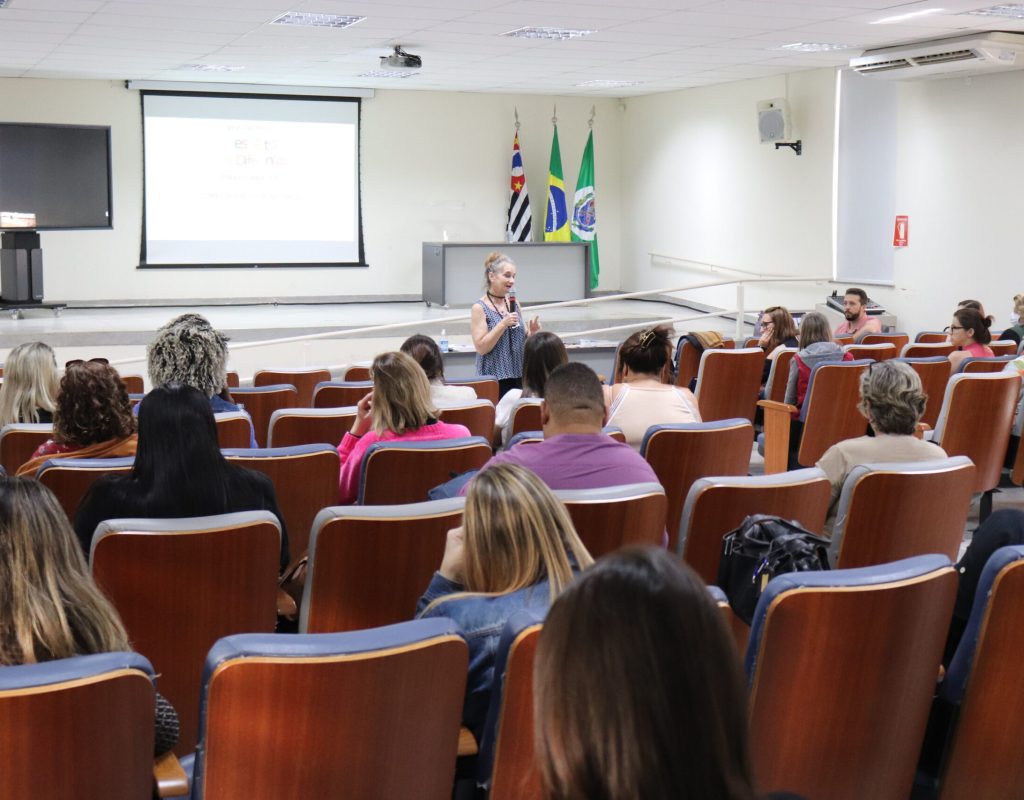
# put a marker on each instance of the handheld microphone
(513, 307)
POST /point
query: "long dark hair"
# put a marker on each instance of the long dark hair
(637, 688)
(425, 352)
(178, 465)
(541, 354)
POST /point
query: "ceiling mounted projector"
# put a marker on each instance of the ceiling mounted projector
(400, 60)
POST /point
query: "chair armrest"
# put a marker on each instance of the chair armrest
(286, 605)
(467, 743)
(777, 419)
(169, 776)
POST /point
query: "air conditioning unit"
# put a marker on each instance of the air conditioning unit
(976, 54)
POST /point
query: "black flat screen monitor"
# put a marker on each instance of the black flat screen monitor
(60, 173)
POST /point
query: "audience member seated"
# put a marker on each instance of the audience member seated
(398, 409)
(858, 322)
(1003, 528)
(816, 347)
(425, 352)
(188, 350)
(1016, 330)
(638, 691)
(575, 454)
(1017, 365)
(542, 353)
(892, 400)
(970, 333)
(516, 549)
(778, 331)
(51, 608)
(643, 398)
(975, 304)
(29, 391)
(179, 471)
(93, 418)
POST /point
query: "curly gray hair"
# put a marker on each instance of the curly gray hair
(891, 397)
(188, 350)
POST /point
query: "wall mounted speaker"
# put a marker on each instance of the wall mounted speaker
(773, 121)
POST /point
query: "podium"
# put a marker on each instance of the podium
(21, 267)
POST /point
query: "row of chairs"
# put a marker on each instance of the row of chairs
(177, 594)
(842, 668)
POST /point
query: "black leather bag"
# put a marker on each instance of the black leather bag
(761, 548)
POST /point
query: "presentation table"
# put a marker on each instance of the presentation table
(548, 272)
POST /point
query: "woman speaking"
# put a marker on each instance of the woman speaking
(498, 336)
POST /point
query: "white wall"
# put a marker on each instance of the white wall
(698, 185)
(431, 161)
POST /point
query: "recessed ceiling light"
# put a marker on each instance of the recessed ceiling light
(546, 33)
(211, 67)
(909, 15)
(311, 20)
(1006, 11)
(387, 73)
(814, 47)
(602, 84)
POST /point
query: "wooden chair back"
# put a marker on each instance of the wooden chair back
(897, 340)
(983, 757)
(728, 382)
(356, 372)
(364, 714)
(403, 472)
(368, 565)
(19, 441)
(688, 360)
(862, 646)
(77, 727)
(70, 478)
(715, 506)
(830, 412)
(876, 352)
(338, 394)
(931, 337)
(1017, 471)
(525, 417)
(179, 585)
(478, 416)
(233, 429)
(305, 479)
(926, 349)
(679, 454)
(485, 386)
(752, 341)
(976, 419)
(934, 374)
(262, 401)
(1003, 347)
(133, 384)
(304, 380)
(614, 517)
(507, 766)
(290, 427)
(889, 511)
(979, 366)
(778, 375)
(845, 339)
(232, 379)
(533, 437)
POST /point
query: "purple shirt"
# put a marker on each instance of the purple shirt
(579, 461)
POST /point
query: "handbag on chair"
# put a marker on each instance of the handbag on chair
(762, 547)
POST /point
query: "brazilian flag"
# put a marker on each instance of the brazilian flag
(556, 226)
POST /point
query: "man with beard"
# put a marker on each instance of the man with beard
(858, 323)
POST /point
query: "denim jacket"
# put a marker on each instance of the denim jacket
(481, 618)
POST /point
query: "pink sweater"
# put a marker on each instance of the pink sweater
(352, 449)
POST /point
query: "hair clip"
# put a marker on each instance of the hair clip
(646, 337)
